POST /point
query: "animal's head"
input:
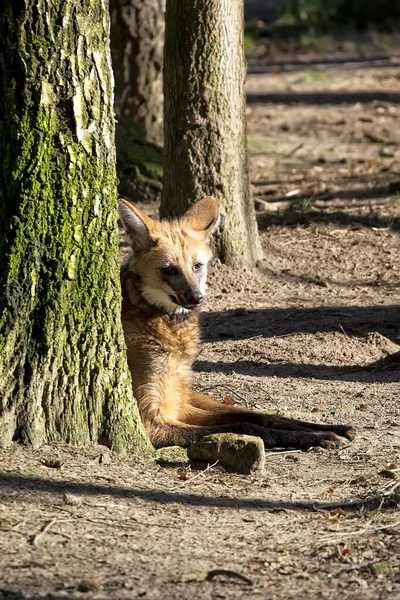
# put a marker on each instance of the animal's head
(170, 257)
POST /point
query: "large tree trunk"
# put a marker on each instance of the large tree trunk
(137, 42)
(63, 372)
(205, 150)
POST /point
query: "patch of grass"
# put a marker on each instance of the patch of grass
(250, 41)
(311, 75)
(382, 569)
(291, 161)
(257, 145)
(313, 40)
(381, 40)
(307, 204)
(287, 19)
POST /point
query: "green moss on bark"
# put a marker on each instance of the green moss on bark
(63, 373)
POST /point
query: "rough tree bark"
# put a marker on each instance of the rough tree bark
(137, 42)
(63, 372)
(205, 150)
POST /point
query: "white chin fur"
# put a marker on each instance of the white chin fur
(161, 300)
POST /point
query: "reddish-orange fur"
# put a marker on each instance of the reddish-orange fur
(162, 338)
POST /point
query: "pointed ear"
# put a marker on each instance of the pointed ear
(204, 216)
(137, 225)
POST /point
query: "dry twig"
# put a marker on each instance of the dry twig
(35, 538)
(208, 468)
(366, 530)
(387, 496)
(229, 389)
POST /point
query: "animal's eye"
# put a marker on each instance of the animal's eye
(197, 266)
(169, 270)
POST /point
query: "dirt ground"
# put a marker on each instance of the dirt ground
(312, 332)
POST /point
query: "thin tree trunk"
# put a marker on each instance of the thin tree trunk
(63, 372)
(205, 150)
(137, 42)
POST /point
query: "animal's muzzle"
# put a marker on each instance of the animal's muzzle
(191, 298)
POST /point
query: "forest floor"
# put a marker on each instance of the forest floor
(312, 332)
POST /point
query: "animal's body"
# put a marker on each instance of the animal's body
(163, 284)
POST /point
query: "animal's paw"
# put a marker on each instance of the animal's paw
(346, 431)
(328, 440)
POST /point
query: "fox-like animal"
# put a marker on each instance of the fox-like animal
(163, 286)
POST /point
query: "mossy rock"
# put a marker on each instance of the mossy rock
(139, 165)
(236, 453)
(171, 455)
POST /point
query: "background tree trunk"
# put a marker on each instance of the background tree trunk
(205, 149)
(139, 165)
(137, 42)
(63, 372)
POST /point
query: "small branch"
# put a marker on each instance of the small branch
(229, 389)
(12, 530)
(125, 524)
(108, 522)
(386, 496)
(208, 468)
(367, 530)
(209, 575)
(228, 573)
(283, 452)
(35, 539)
(293, 150)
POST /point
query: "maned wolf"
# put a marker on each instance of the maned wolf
(163, 285)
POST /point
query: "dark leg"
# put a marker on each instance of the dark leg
(181, 434)
(217, 412)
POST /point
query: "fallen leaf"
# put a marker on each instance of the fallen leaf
(183, 473)
(391, 467)
(345, 550)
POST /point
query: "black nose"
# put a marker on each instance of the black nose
(192, 297)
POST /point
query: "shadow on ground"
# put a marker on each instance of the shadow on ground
(291, 216)
(347, 63)
(17, 483)
(240, 324)
(322, 281)
(352, 321)
(319, 98)
(389, 373)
